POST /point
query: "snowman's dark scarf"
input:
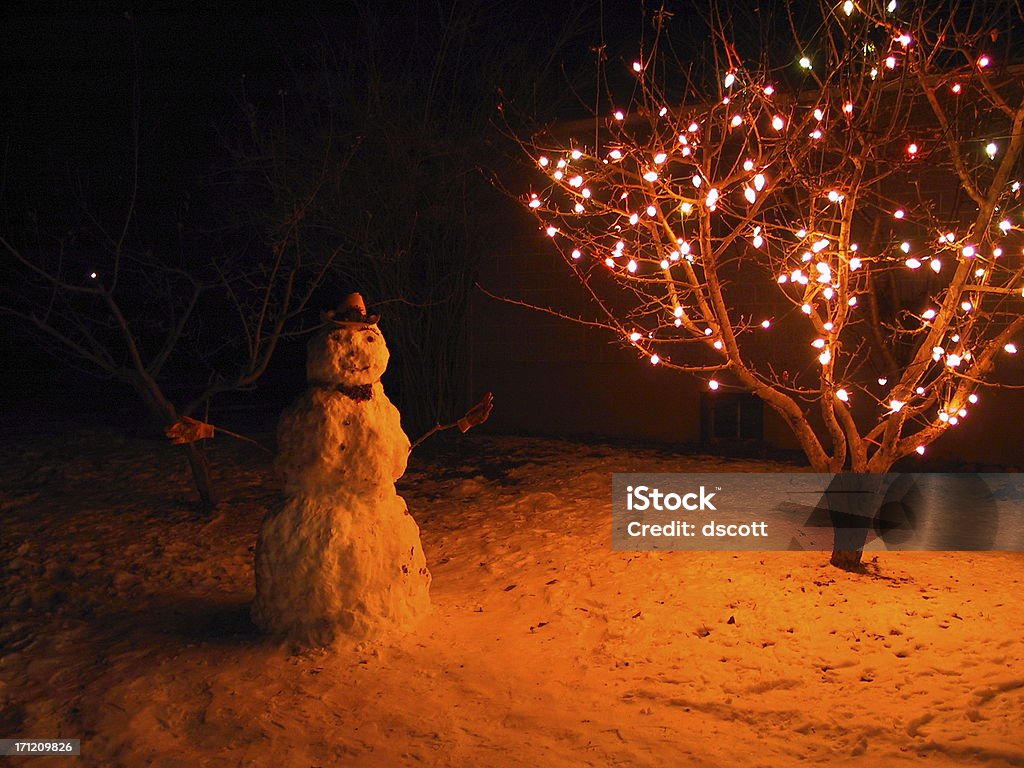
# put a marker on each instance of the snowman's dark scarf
(358, 392)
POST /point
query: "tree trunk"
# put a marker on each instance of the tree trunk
(852, 501)
(164, 410)
(847, 559)
(200, 464)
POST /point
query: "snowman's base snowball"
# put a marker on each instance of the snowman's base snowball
(331, 569)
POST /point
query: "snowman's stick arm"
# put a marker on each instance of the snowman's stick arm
(478, 414)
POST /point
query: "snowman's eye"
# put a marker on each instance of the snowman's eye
(371, 337)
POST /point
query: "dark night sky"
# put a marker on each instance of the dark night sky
(66, 90)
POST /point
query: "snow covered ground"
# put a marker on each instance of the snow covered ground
(124, 622)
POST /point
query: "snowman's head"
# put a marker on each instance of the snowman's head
(350, 354)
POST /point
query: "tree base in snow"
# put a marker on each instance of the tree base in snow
(847, 559)
(339, 569)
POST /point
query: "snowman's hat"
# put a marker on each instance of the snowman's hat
(351, 311)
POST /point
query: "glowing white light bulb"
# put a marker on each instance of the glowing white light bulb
(899, 213)
(551, 231)
(1010, 348)
(778, 123)
(895, 406)
(697, 180)
(576, 154)
(660, 158)
(651, 176)
(729, 80)
(619, 115)
(637, 66)
(576, 253)
(842, 394)
(991, 149)
(655, 359)
(543, 161)
(920, 450)
(972, 398)
(632, 265)
(766, 324)
(912, 263)
(928, 314)
(805, 62)
(713, 384)
(848, 7)
(936, 265)
(854, 264)
(635, 337)
(759, 181)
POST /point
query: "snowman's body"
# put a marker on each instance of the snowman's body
(341, 557)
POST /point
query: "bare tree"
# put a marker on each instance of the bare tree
(179, 318)
(824, 213)
(410, 89)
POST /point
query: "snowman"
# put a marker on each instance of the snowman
(341, 558)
